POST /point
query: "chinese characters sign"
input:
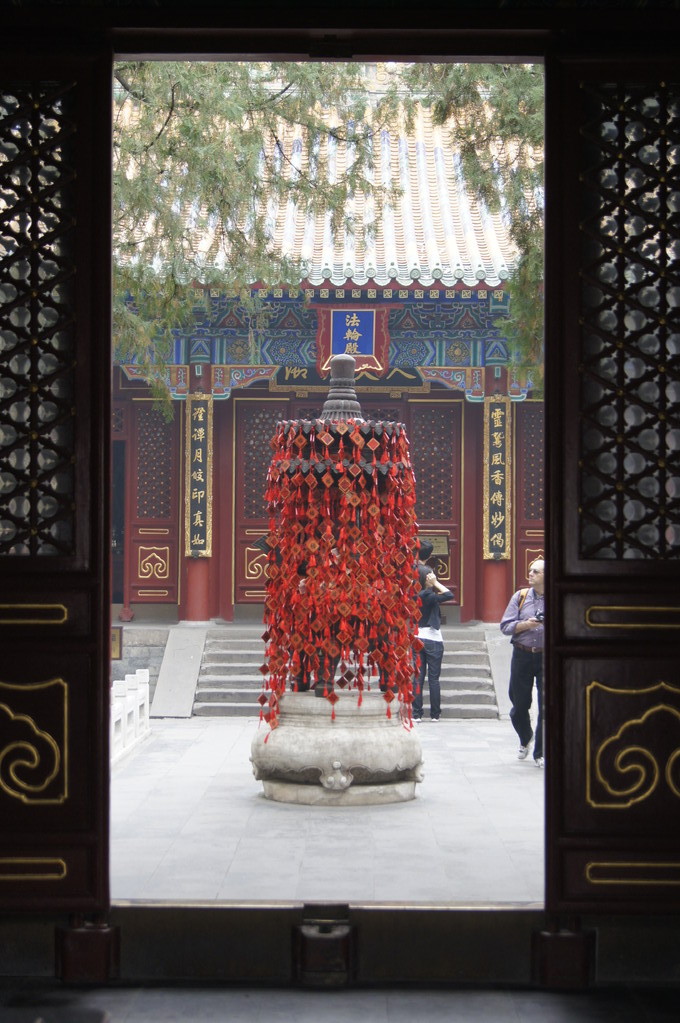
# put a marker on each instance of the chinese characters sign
(361, 333)
(198, 477)
(497, 478)
(352, 332)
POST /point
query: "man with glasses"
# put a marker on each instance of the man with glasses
(523, 622)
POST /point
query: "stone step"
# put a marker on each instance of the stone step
(465, 650)
(236, 710)
(239, 637)
(241, 694)
(217, 665)
(462, 662)
(211, 674)
(226, 647)
(467, 696)
(449, 712)
(237, 679)
(211, 694)
(470, 710)
(257, 655)
(466, 681)
(224, 663)
(252, 681)
(237, 643)
(456, 670)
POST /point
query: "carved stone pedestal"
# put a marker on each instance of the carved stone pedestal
(360, 758)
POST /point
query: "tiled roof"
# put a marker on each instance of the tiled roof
(435, 231)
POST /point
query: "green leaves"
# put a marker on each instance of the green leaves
(495, 117)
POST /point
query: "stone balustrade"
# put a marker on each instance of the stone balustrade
(129, 712)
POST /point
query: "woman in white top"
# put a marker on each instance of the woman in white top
(432, 595)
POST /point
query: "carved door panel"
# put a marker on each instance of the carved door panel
(255, 422)
(529, 489)
(54, 460)
(152, 547)
(614, 489)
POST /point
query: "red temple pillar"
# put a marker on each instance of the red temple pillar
(496, 589)
(197, 601)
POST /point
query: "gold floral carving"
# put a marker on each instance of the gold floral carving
(32, 762)
(154, 562)
(256, 563)
(641, 754)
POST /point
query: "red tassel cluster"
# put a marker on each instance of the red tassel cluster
(342, 594)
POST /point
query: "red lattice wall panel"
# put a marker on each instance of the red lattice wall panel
(255, 426)
(435, 435)
(152, 527)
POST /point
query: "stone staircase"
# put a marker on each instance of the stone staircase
(466, 680)
(230, 681)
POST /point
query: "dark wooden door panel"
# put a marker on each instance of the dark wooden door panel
(52, 789)
(613, 628)
(626, 772)
(54, 458)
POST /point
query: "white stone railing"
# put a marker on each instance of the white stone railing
(129, 712)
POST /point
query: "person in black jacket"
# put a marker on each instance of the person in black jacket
(432, 595)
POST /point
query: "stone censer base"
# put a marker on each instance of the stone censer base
(361, 758)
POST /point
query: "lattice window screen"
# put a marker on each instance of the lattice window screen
(154, 464)
(257, 426)
(432, 437)
(630, 334)
(37, 326)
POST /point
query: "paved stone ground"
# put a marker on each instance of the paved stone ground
(189, 822)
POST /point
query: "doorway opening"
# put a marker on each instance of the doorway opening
(436, 276)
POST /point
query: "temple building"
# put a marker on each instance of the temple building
(421, 309)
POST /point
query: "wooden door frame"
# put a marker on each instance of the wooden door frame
(155, 34)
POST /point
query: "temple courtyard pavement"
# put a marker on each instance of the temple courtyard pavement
(189, 823)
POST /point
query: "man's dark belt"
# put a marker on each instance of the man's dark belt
(528, 649)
